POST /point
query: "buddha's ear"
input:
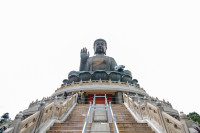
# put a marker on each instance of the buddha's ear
(94, 47)
(104, 49)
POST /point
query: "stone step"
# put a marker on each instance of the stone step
(134, 128)
(71, 124)
(69, 127)
(79, 113)
(64, 131)
(122, 131)
(76, 117)
(120, 112)
(74, 122)
(124, 118)
(132, 124)
(126, 123)
(77, 121)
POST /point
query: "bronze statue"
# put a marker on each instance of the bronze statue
(99, 61)
(99, 66)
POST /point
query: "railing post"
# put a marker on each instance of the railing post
(109, 113)
(106, 102)
(94, 99)
(54, 109)
(76, 97)
(73, 100)
(61, 110)
(17, 122)
(128, 101)
(136, 97)
(123, 100)
(146, 108)
(91, 113)
(185, 122)
(41, 109)
(160, 109)
(139, 102)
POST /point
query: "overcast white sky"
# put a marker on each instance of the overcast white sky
(40, 42)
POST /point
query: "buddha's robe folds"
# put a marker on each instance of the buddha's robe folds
(98, 62)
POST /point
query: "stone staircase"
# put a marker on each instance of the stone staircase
(74, 122)
(126, 123)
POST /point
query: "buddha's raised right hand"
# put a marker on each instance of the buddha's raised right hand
(84, 55)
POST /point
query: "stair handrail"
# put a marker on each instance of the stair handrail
(86, 119)
(113, 118)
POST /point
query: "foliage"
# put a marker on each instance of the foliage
(5, 116)
(194, 116)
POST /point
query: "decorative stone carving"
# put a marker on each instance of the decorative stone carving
(115, 76)
(126, 78)
(99, 75)
(85, 76)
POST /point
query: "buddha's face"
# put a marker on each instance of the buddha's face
(100, 47)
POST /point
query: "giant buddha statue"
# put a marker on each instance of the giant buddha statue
(99, 66)
(99, 61)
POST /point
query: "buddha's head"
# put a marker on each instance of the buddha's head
(100, 46)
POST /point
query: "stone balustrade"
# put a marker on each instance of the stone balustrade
(28, 125)
(135, 106)
(63, 107)
(48, 110)
(45, 113)
(156, 115)
(100, 85)
(58, 109)
(172, 125)
(143, 111)
(93, 82)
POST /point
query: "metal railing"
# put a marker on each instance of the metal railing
(113, 118)
(86, 120)
(107, 107)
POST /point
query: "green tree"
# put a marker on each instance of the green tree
(194, 116)
(5, 116)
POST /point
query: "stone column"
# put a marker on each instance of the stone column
(17, 122)
(118, 97)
